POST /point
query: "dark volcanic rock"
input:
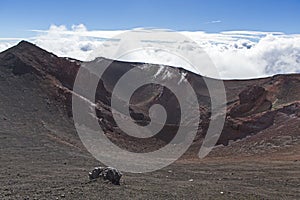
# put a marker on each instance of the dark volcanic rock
(251, 94)
(251, 101)
(238, 128)
(107, 173)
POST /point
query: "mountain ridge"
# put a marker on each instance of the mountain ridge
(252, 104)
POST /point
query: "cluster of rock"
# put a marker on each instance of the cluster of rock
(107, 173)
(252, 100)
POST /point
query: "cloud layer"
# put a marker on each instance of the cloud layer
(236, 54)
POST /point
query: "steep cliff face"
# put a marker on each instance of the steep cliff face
(258, 106)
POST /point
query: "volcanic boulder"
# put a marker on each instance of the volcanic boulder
(252, 100)
(107, 173)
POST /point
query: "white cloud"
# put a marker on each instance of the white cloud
(236, 54)
(6, 43)
(213, 22)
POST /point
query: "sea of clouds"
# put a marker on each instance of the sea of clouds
(236, 54)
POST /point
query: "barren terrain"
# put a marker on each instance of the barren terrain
(42, 157)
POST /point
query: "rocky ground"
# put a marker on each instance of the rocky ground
(42, 157)
(57, 170)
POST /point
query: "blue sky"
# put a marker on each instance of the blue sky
(18, 17)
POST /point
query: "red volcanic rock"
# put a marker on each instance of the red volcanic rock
(238, 128)
(251, 100)
(251, 94)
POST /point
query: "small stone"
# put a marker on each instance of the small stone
(261, 142)
(191, 180)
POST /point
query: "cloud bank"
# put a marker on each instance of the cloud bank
(236, 54)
